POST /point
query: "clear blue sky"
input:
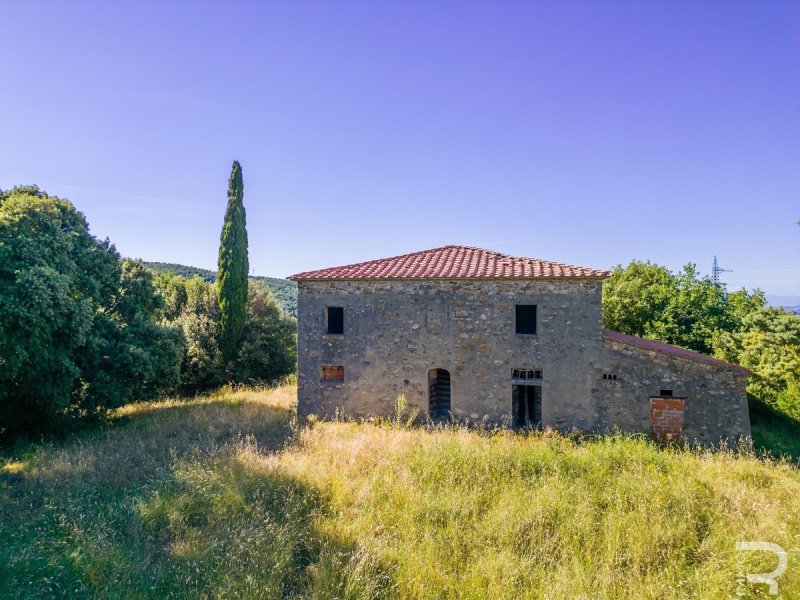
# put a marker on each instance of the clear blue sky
(583, 132)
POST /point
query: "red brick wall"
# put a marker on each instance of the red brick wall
(666, 418)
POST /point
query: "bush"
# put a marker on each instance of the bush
(191, 306)
(268, 350)
(77, 334)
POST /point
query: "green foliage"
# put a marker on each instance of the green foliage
(686, 309)
(76, 329)
(775, 433)
(183, 271)
(191, 306)
(635, 297)
(233, 268)
(695, 310)
(283, 291)
(767, 343)
(82, 331)
(403, 418)
(268, 349)
(130, 356)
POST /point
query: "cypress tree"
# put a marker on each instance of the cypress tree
(233, 268)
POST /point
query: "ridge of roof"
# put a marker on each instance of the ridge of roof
(452, 262)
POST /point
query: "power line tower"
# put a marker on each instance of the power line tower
(716, 270)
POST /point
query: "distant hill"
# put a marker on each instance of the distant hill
(283, 290)
(794, 309)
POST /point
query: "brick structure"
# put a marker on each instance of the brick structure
(666, 418)
(484, 336)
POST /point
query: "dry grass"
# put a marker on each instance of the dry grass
(226, 496)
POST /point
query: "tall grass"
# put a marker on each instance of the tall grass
(229, 496)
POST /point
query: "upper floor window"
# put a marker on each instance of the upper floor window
(334, 319)
(526, 318)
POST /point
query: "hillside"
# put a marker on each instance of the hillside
(283, 290)
(225, 496)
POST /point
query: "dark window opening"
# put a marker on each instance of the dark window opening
(335, 320)
(609, 376)
(332, 373)
(526, 318)
(666, 393)
(526, 405)
(439, 394)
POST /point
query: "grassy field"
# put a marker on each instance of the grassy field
(227, 496)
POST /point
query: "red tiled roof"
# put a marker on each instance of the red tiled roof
(452, 262)
(632, 340)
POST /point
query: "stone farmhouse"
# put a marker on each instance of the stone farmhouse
(478, 335)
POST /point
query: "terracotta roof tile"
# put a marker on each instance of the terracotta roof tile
(632, 340)
(452, 262)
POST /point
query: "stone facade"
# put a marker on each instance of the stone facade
(396, 331)
(715, 401)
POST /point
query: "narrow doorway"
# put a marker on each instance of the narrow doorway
(526, 405)
(438, 393)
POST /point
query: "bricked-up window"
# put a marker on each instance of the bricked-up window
(526, 319)
(335, 320)
(666, 418)
(332, 373)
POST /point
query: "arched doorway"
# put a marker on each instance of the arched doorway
(439, 393)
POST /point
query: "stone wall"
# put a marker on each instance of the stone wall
(396, 332)
(715, 405)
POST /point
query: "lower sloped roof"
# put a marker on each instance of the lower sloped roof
(632, 340)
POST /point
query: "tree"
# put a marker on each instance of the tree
(77, 334)
(191, 306)
(53, 276)
(696, 308)
(233, 268)
(636, 296)
(269, 345)
(768, 343)
(686, 309)
(127, 355)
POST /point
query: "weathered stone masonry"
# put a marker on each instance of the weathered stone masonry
(715, 403)
(395, 331)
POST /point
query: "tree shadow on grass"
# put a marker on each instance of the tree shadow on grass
(774, 433)
(178, 501)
